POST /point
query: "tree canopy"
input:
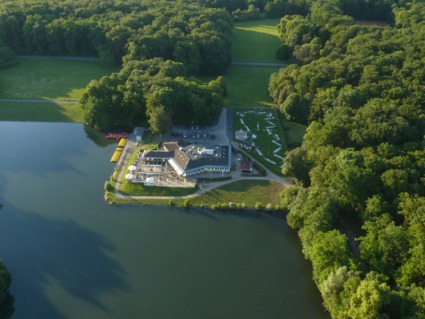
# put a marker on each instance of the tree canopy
(358, 203)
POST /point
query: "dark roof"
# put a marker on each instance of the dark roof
(139, 131)
(159, 154)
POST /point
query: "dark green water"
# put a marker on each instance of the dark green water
(73, 256)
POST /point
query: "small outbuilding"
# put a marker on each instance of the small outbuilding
(241, 135)
(245, 167)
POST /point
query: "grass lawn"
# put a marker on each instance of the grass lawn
(248, 86)
(49, 79)
(40, 111)
(256, 40)
(245, 191)
(294, 132)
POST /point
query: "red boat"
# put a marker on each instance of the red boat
(117, 136)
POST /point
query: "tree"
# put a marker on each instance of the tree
(368, 300)
(159, 120)
(295, 108)
(329, 252)
(4, 282)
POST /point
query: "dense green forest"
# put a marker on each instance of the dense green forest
(160, 45)
(254, 9)
(359, 200)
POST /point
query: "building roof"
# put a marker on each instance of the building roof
(139, 131)
(245, 166)
(158, 154)
(190, 157)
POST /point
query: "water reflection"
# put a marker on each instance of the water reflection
(40, 250)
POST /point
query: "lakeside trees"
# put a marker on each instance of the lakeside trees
(6, 300)
(358, 204)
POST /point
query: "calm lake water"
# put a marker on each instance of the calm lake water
(73, 256)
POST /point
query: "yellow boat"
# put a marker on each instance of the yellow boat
(115, 157)
(122, 142)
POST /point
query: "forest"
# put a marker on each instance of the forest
(159, 45)
(359, 201)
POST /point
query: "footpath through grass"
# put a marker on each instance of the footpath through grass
(253, 41)
(53, 79)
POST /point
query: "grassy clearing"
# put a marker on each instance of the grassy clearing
(40, 112)
(256, 40)
(247, 191)
(49, 79)
(294, 132)
(248, 86)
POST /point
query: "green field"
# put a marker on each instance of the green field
(245, 191)
(49, 79)
(248, 86)
(256, 40)
(253, 41)
(294, 132)
(40, 112)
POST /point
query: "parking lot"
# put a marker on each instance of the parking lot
(197, 135)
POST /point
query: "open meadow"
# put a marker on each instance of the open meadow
(253, 42)
(256, 40)
(57, 80)
(248, 86)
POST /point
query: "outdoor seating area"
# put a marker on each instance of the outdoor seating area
(156, 173)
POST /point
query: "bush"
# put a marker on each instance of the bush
(258, 206)
(108, 187)
(171, 203)
(186, 204)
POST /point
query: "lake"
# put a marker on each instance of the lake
(72, 255)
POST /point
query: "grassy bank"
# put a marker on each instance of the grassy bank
(40, 111)
(249, 192)
(246, 192)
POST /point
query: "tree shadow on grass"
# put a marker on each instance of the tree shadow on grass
(40, 252)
